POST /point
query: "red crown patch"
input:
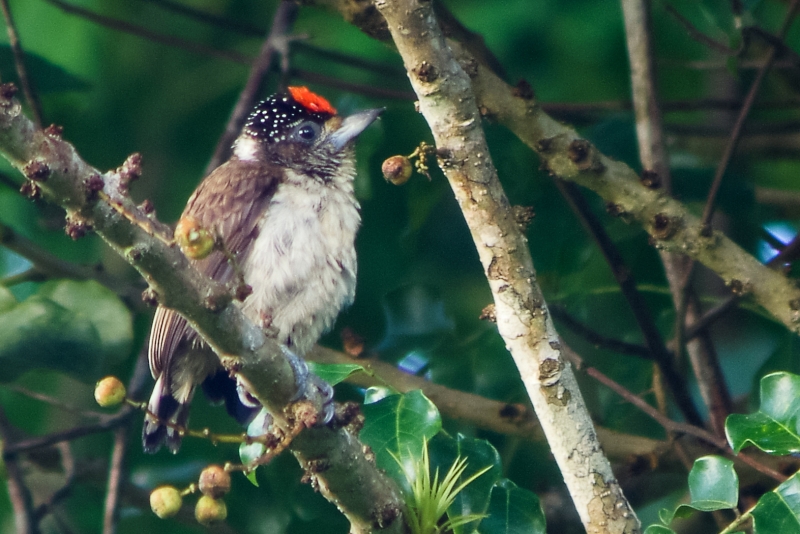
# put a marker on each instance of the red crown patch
(311, 101)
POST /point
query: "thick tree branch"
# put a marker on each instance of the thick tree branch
(365, 495)
(448, 104)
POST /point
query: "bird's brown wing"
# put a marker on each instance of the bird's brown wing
(229, 202)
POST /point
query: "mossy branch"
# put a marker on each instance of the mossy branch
(100, 202)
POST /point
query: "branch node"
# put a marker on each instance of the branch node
(37, 171)
(664, 226)
(7, 92)
(581, 153)
(130, 171)
(54, 131)
(650, 179)
(76, 226)
(426, 72)
(488, 313)
(150, 297)
(93, 184)
(523, 215)
(523, 90)
(30, 190)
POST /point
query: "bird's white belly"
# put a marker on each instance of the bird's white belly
(302, 266)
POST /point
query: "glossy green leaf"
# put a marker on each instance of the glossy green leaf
(69, 326)
(396, 428)
(713, 484)
(774, 428)
(513, 510)
(479, 453)
(248, 453)
(778, 511)
(658, 529)
(333, 373)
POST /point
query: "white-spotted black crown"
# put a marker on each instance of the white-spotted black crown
(274, 117)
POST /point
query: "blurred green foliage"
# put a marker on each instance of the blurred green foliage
(421, 288)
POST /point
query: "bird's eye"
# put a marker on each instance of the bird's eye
(308, 131)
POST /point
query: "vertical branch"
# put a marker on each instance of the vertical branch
(18, 493)
(653, 156)
(276, 41)
(115, 479)
(19, 61)
(448, 104)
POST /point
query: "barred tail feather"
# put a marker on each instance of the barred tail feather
(154, 432)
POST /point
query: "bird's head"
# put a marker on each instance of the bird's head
(302, 131)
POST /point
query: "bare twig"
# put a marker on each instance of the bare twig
(139, 31)
(19, 62)
(18, 493)
(68, 464)
(596, 339)
(736, 133)
(116, 478)
(699, 36)
(668, 424)
(276, 41)
(641, 313)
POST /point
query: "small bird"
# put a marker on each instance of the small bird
(284, 209)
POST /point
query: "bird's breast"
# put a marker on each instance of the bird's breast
(302, 265)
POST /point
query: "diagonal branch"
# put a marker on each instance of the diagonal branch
(369, 500)
(448, 104)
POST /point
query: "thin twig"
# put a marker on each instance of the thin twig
(596, 339)
(699, 36)
(116, 476)
(18, 492)
(68, 463)
(19, 61)
(668, 424)
(208, 18)
(53, 401)
(276, 41)
(140, 31)
(641, 313)
(736, 133)
(69, 434)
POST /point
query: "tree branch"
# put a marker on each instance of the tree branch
(365, 495)
(448, 104)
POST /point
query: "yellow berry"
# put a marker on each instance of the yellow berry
(194, 241)
(110, 391)
(397, 169)
(165, 501)
(215, 481)
(210, 510)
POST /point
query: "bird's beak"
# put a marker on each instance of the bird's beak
(352, 126)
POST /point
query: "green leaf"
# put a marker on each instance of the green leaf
(713, 484)
(7, 300)
(513, 510)
(48, 76)
(333, 373)
(479, 453)
(774, 428)
(69, 326)
(248, 453)
(399, 425)
(658, 529)
(779, 510)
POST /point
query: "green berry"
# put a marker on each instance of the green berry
(165, 501)
(210, 510)
(110, 391)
